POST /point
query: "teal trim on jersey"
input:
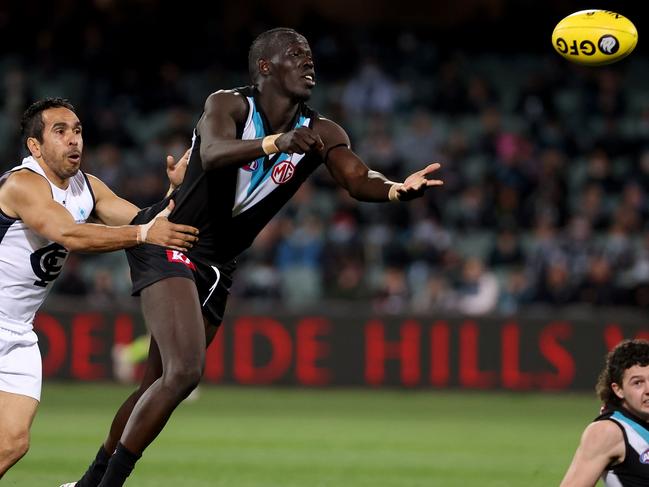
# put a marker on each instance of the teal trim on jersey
(260, 176)
(638, 429)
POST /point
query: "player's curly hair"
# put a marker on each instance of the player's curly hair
(31, 125)
(265, 45)
(624, 356)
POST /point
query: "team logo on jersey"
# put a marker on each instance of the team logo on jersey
(47, 263)
(644, 457)
(251, 167)
(283, 171)
(176, 256)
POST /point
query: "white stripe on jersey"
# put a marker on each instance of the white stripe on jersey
(251, 188)
(610, 479)
(29, 263)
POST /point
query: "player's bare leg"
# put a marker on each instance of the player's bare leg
(172, 312)
(16, 416)
(153, 370)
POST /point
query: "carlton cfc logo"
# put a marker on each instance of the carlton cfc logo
(283, 171)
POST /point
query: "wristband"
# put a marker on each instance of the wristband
(392, 194)
(268, 144)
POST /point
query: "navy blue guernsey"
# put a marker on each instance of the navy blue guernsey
(634, 470)
(230, 206)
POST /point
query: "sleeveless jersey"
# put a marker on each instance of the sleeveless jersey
(634, 470)
(230, 206)
(29, 263)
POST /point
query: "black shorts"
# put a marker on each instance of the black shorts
(152, 263)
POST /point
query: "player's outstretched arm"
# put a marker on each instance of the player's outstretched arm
(218, 130)
(602, 444)
(27, 196)
(360, 181)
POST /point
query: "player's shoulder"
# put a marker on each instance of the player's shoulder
(23, 180)
(603, 435)
(330, 131)
(232, 101)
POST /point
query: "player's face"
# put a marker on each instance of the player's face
(295, 69)
(62, 142)
(635, 390)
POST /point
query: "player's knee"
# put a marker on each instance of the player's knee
(184, 378)
(13, 446)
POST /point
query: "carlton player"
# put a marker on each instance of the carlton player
(252, 149)
(44, 203)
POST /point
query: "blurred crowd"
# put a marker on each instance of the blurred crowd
(546, 170)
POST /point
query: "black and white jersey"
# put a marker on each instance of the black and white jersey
(634, 470)
(29, 263)
(230, 206)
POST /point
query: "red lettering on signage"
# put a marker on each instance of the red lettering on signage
(557, 355)
(245, 369)
(406, 350)
(85, 346)
(309, 350)
(470, 373)
(511, 375)
(214, 358)
(439, 354)
(50, 329)
(123, 334)
(613, 335)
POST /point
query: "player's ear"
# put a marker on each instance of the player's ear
(34, 147)
(264, 67)
(617, 390)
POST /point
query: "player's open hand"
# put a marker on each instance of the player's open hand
(417, 183)
(299, 141)
(176, 170)
(160, 231)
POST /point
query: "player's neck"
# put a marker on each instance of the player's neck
(57, 181)
(278, 109)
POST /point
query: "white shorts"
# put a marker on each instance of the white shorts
(21, 369)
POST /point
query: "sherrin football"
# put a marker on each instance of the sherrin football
(594, 37)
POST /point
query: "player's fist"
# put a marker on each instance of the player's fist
(299, 141)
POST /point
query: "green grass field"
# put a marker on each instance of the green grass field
(247, 437)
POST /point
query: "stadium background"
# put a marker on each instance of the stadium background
(519, 274)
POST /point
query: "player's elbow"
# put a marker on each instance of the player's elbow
(213, 157)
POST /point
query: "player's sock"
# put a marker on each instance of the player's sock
(96, 470)
(120, 466)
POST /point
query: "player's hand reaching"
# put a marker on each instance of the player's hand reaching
(299, 141)
(417, 183)
(160, 231)
(176, 170)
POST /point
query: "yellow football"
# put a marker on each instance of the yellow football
(594, 37)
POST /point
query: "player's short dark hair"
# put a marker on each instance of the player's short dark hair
(31, 125)
(265, 45)
(624, 356)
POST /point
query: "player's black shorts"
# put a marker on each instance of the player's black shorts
(152, 263)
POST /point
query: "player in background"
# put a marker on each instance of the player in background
(615, 447)
(44, 204)
(252, 149)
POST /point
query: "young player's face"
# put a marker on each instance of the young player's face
(634, 391)
(62, 142)
(295, 69)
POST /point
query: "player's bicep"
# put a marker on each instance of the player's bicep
(110, 209)
(601, 444)
(219, 117)
(33, 204)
